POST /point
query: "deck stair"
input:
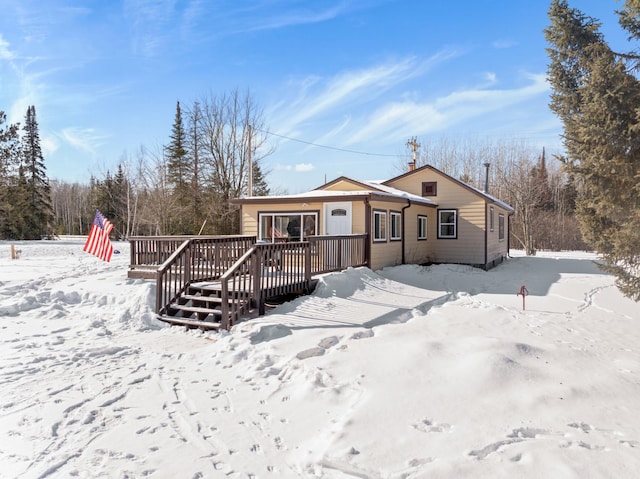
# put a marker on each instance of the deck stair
(201, 306)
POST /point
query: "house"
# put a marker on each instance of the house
(422, 216)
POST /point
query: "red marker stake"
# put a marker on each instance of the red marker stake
(523, 292)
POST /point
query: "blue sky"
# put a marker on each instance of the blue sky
(357, 75)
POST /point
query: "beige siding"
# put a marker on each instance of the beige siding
(497, 248)
(358, 218)
(344, 185)
(385, 253)
(419, 251)
(468, 247)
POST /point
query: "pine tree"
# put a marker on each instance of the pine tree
(9, 162)
(540, 177)
(597, 98)
(180, 176)
(39, 214)
(260, 186)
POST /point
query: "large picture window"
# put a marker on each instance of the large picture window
(379, 225)
(422, 227)
(447, 224)
(395, 224)
(284, 226)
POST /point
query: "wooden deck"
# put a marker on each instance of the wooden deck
(212, 282)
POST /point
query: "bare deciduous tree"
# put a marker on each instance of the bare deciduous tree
(227, 124)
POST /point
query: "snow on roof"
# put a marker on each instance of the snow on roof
(376, 188)
(401, 193)
(500, 203)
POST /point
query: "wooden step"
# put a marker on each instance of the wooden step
(190, 323)
(202, 299)
(215, 287)
(199, 311)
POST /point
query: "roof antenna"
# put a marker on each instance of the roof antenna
(414, 147)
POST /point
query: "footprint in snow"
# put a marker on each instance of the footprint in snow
(427, 425)
(310, 353)
(322, 347)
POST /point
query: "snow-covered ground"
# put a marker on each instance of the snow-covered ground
(408, 372)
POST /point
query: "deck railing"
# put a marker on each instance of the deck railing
(335, 253)
(202, 258)
(212, 254)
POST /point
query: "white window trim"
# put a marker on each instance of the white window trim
(491, 219)
(422, 219)
(501, 231)
(454, 224)
(284, 234)
(395, 222)
(378, 237)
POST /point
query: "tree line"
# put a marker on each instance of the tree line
(182, 187)
(25, 201)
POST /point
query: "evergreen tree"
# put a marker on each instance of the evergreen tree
(540, 177)
(178, 162)
(260, 186)
(118, 197)
(39, 214)
(597, 98)
(180, 176)
(9, 162)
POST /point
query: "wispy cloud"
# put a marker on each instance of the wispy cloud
(5, 51)
(317, 97)
(302, 16)
(49, 144)
(393, 120)
(151, 24)
(504, 43)
(304, 167)
(84, 139)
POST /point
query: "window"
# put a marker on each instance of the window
(447, 224)
(429, 188)
(422, 227)
(283, 226)
(491, 218)
(379, 225)
(501, 227)
(395, 225)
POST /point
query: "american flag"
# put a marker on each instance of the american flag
(98, 242)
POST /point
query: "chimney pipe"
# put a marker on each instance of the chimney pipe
(414, 146)
(486, 178)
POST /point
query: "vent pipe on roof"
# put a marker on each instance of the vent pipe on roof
(486, 178)
(414, 147)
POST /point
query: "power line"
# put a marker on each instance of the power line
(325, 146)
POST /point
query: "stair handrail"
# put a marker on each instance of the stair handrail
(165, 293)
(246, 262)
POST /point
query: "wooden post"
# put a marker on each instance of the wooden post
(13, 252)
